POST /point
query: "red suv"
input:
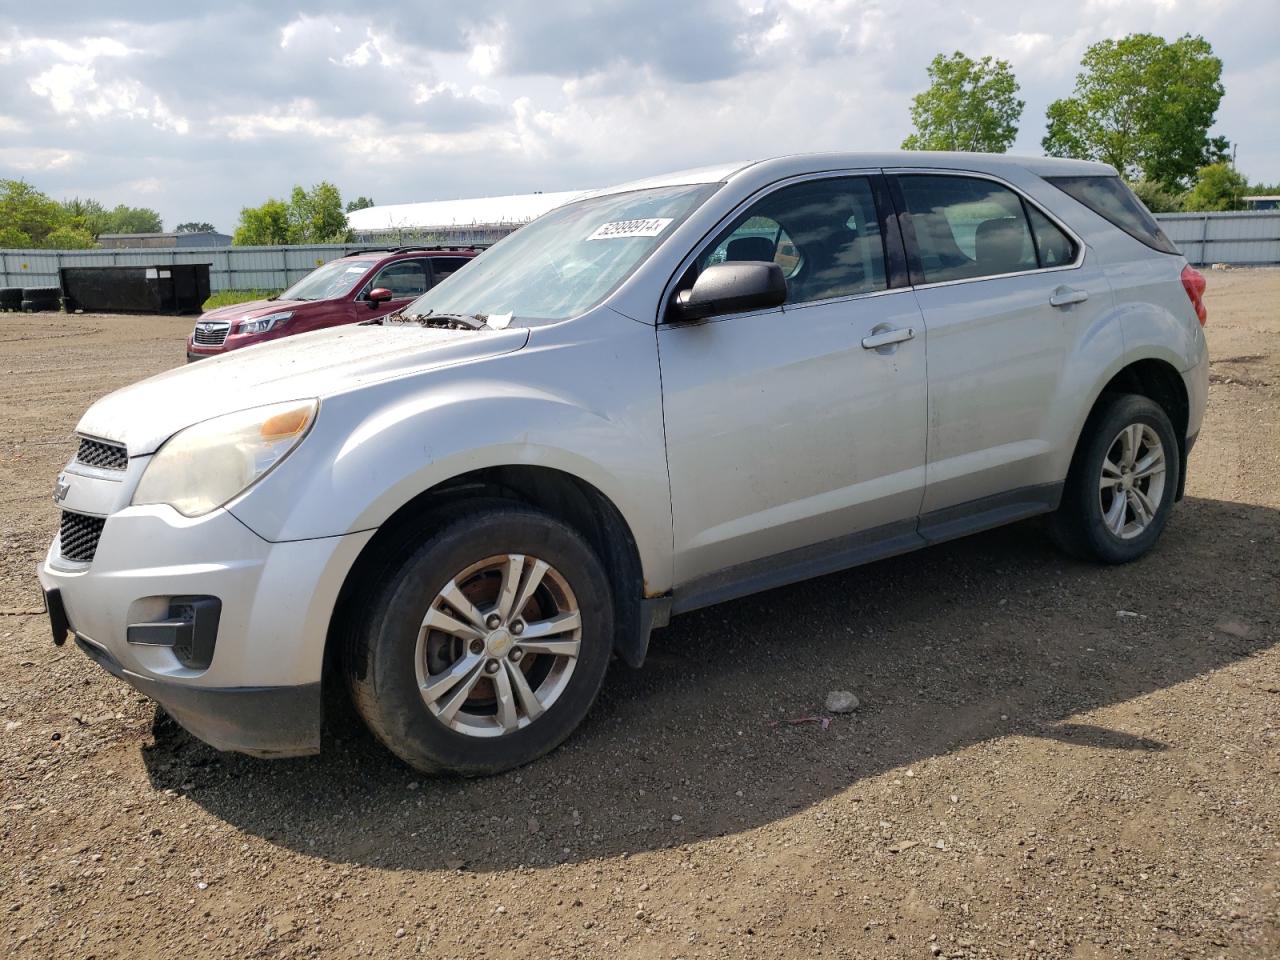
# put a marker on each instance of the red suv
(369, 283)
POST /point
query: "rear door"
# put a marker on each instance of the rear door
(799, 426)
(1006, 292)
(442, 267)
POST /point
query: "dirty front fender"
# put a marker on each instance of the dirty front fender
(374, 449)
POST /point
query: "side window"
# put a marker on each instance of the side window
(1053, 247)
(823, 233)
(1109, 198)
(404, 278)
(758, 238)
(966, 227)
(442, 267)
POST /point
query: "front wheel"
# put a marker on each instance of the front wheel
(486, 645)
(1122, 482)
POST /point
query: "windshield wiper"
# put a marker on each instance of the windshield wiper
(450, 321)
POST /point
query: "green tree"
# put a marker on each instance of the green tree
(11, 238)
(359, 203)
(126, 219)
(316, 215)
(1156, 198)
(267, 225)
(1143, 105)
(1218, 186)
(969, 105)
(87, 215)
(195, 226)
(27, 216)
(70, 237)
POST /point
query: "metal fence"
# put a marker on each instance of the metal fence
(1237, 238)
(1241, 238)
(230, 268)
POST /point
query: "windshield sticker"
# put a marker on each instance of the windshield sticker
(618, 229)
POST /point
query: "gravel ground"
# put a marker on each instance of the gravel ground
(1050, 759)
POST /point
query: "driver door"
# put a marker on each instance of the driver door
(794, 444)
(406, 279)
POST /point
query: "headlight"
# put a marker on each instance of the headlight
(202, 467)
(263, 324)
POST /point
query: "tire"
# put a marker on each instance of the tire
(1091, 523)
(469, 544)
(10, 298)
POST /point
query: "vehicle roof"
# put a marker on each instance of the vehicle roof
(802, 163)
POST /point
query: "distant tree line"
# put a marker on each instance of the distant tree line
(29, 218)
(1140, 103)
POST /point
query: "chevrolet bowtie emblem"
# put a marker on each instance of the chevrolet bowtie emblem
(61, 488)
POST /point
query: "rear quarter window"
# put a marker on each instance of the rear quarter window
(1110, 199)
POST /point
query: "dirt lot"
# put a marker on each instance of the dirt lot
(1051, 759)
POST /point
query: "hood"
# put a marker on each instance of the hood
(253, 308)
(318, 364)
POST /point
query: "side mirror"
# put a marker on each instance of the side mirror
(731, 288)
(379, 295)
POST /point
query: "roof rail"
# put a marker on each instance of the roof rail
(420, 246)
(442, 246)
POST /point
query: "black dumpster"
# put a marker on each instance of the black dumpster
(164, 288)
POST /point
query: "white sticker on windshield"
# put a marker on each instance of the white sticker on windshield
(630, 228)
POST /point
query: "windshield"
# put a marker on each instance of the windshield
(332, 280)
(566, 261)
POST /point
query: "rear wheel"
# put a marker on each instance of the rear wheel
(486, 645)
(1122, 482)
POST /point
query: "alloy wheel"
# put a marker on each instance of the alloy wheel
(1132, 485)
(498, 645)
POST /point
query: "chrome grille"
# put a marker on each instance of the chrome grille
(78, 536)
(211, 334)
(100, 453)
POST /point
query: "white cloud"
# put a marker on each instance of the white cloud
(485, 59)
(39, 159)
(72, 89)
(305, 30)
(506, 97)
(85, 51)
(146, 185)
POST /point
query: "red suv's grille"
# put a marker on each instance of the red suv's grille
(210, 334)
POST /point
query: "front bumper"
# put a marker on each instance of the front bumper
(260, 693)
(259, 721)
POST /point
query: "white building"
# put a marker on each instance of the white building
(479, 220)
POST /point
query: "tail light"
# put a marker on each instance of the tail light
(1193, 282)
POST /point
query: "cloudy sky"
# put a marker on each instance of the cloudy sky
(200, 109)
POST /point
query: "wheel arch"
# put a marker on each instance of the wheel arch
(568, 498)
(1159, 380)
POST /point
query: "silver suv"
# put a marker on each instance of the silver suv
(655, 398)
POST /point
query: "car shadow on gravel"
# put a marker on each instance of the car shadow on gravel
(993, 636)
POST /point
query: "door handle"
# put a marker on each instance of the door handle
(1065, 296)
(887, 337)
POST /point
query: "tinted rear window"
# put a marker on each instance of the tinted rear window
(1110, 199)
